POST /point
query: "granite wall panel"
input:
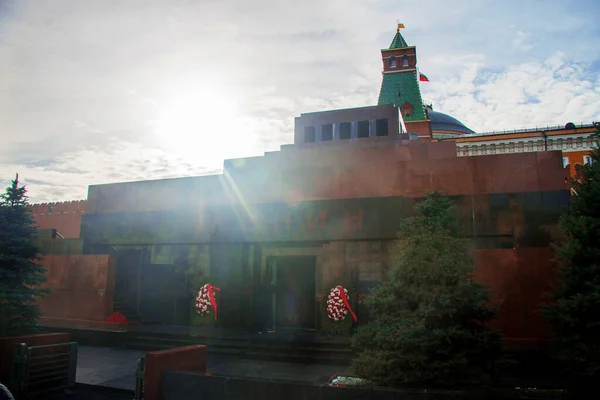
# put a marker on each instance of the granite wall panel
(310, 183)
(454, 177)
(358, 180)
(310, 173)
(385, 178)
(441, 150)
(188, 358)
(483, 175)
(382, 181)
(513, 174)
(519, 280)
(418, 150)
(82, 287)
(251, 186)
(550, 170)
(417, 178)
(494, 215)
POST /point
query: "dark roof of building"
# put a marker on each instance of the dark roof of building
(445, 122)
(398, 41)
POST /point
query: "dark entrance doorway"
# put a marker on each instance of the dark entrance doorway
(294, 302)
(152, 293)
(127, 283)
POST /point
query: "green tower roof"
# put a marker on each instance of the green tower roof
(398, 41)
(401, 87)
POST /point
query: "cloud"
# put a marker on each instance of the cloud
(519, 42)
(532, 94)
(69, 175)
(90, 90)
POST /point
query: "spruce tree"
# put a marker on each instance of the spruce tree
(21, 273)
(429, 317)
(574, 310)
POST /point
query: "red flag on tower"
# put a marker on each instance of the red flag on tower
(423, 78)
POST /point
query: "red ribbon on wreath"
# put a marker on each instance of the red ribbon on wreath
(211, 296)
(346, 303)
(338, 305)
(206, 297)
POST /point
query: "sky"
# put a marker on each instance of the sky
(101, 91)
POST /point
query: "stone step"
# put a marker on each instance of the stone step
(264, 349)
(255, 355)
(265, 345)
(288, 341)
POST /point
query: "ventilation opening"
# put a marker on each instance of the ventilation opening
(345, 130)
(381, 127)
(327, 132)
(310, 134)
(363, 129)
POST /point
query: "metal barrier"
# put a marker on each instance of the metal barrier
(43, 371)
(139, 378)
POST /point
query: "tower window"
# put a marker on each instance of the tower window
(381, 127)
(587, 160)
(407, 109)
(309, 134)
(405, 61)
(327, 132)
(363, 129)
(392, 62)
(345, 130)
(565, 162)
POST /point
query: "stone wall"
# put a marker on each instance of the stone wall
(519, 280)
(82, 287)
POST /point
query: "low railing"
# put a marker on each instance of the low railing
(43, 371)
(524, 130)
(140, 371)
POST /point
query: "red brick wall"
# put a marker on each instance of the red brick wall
(64, 217)
(82, 287)
(422, 128)
(410, 52)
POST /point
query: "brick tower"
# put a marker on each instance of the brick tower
(400, 85)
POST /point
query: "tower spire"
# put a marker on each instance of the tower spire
(398, 42)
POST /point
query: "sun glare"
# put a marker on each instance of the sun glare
(204, 126)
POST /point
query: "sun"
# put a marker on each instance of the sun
(202, 124)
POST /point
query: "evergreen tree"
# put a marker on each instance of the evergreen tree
(574, 312)
(21, 273)
(429, 317)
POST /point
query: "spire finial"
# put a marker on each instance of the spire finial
(400, 26)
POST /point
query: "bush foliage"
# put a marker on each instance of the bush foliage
(429, 317)
(574, 312)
